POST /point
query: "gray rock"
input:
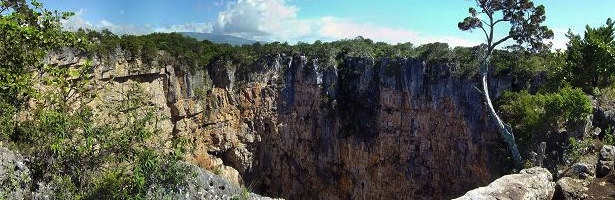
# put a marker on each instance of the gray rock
(603, 168)
(239, 158)
(604, 113)
(534, 183)
(203, 185)
(582, 170)
(45, 191)
(221, 74)
(596, 132)
(14, 175)
(607, 153)
(582, 129)
(569, 188)
(587, 124)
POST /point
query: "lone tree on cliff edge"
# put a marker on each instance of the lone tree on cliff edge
(524, 19)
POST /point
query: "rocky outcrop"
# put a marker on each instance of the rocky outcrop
(204, 185)
(606, 158)
(530, 184)
(14, 175)
(569, 188)
(291, 127)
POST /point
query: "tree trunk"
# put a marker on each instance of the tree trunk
(505, 130)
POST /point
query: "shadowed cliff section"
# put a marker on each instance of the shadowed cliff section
(374, 129)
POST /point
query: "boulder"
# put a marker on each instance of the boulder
(603, 168)
(583, 129)
(569, 188)
(533, 183)
(607, 153)
(582, 170)
(596, 132)
(587, 124)
(14, 175)
(203, 185)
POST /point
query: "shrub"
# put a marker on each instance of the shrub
(542, 113)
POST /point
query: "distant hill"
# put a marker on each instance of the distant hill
(215, 38)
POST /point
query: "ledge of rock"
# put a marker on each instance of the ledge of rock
(204, 185)
(533, 183)
(569, 188)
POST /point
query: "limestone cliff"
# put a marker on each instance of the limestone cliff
(374, 129)
(288, 126)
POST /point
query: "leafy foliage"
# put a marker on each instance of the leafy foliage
(543, 113)
(524, 17)
(69, 145)
(591, 59)
(27, 33)
(435, 53)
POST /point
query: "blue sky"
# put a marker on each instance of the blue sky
(416, 21)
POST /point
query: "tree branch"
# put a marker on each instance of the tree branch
(500, 20)
(490, 38)
(500, 41)
(484, 31)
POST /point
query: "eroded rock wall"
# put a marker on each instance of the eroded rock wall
(289, 127)
(375, 129)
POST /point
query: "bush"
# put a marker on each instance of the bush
(542, 113)
(71, 150)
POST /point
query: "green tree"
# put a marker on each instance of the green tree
(435, 52)
(535, 115)
(28, 31)
(525, 20)
(591, 59)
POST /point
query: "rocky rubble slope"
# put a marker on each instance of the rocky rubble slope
(291, 127)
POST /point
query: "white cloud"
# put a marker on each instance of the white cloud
(123, 28)
(270, 20)
(78, 21)
(220, 3)
(275, 20)
(336, 28)
(189, 27)
(258, 18)
(559, 38)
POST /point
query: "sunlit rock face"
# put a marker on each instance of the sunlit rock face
(293, 127)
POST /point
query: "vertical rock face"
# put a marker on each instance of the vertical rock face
(287, 126)
(383, 129)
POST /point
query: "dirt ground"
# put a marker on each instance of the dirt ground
(602, 188)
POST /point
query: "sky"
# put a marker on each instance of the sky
(391, 21)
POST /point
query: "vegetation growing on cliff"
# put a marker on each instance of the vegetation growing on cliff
(45, 114)
(80, 153)
(535, 116)
(561, 102)
(545, 73)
